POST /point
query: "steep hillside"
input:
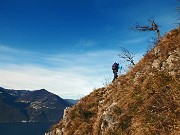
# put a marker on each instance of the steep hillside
(32, 106)
(145, 101)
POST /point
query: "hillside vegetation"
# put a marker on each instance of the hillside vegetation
(145, 101)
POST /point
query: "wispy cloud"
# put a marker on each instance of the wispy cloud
(168, 21)
(86, 43)
(61, 82)
(135, 40)
(63, 74)
(67, 75)
(4, 48)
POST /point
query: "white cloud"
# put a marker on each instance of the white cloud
(61, 82)
(4, 48)
(67, 75)
(135, 40)
(86, 43)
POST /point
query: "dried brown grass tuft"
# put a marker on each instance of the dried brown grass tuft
(147, 99)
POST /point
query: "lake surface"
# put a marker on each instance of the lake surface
(27, 128)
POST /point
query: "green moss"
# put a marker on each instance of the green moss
(126, 123)
(133, 107)
(117, 110)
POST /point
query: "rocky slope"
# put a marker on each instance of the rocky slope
(145, 101)
(30, 106)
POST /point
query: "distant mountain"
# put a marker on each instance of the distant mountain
(71, 101)
(144, 101)
(31, 106)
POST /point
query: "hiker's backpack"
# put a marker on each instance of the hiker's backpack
(115, 66)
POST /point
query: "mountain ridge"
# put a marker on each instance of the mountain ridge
(30, 106)
(144, 101)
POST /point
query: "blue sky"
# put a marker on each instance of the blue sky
(68, 46)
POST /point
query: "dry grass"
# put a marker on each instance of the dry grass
(147, 99)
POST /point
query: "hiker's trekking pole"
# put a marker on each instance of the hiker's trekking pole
(120, 70)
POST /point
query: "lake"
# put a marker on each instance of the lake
(26, 128)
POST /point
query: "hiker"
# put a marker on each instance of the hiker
(115, 68)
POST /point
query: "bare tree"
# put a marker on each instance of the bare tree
(127, 55)
(153, 27)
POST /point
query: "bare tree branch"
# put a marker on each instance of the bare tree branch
(127, 55)
(142, 28)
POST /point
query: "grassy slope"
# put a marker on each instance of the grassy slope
(144, 101)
